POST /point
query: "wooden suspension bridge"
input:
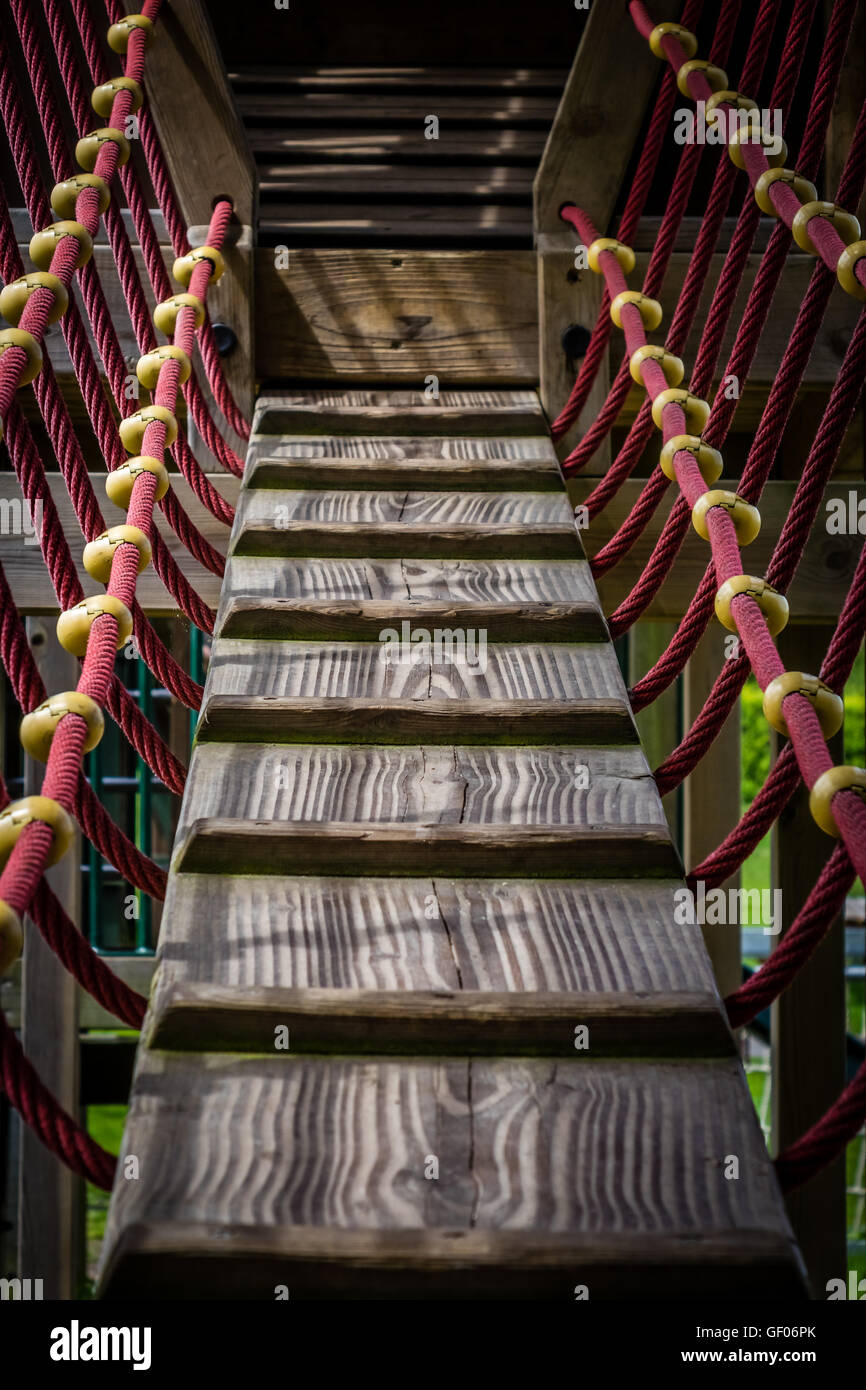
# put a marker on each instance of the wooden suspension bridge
(424, 1019)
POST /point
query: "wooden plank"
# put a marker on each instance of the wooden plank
(339, 315)
(136, 971)
(359, 412)
(50, 1196)
(356, 540)
(594, 130)
(349, 143)
(809, 1020)
(508, 935)
(205, 147)
(413, 79)
(466, 786)
(190, 1018)
(468, 851)
(404, 506)
(352, 620)
(470, 670)
(394, 225)
(241, 719)
(373, 448)
(428, 475)
(712, 797)
(453, 184)
(659, 725)
(561, 1196)
(412, 583)
(359, 108)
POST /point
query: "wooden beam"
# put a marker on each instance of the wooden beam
(460, 316)
(809, 1019)
(135, 971)
(205, 144)
(595, 128)
(51, 1197)
(711, 797)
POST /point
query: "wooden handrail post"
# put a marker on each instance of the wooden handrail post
(206, 148)
(585, 161)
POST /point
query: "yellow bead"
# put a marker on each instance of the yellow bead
(804, 190)
(845, 223)
(623, 253)
(185, 265)
(772, 604)
(686, 38)
(44, 243)
(88, 147)
(708, 459)
(20, 338)
(133, 427)
(672, 366)
(749, 134)
(14, 296)
(99, 553)
(118, 34)
(835, 779)
(696, 411)
(736, 100)
(103, 96)
(829, 707)
(19, 814)
(73, 626)
(716, 77)
(165, 314)
(746, 518)
(150, 365)
(37, 727)
(64, 195)
(844, 270)
(649, 309)
(119, 484)
(11, 937)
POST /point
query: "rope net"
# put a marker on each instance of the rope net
(61, 54)
(807, 709)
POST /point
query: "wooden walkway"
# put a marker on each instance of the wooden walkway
(423, 1023)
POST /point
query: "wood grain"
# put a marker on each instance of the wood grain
(250, 614)
(356, 539)
(426, 475)
(366, 933)
(461, 316)
(359, 412)
(559, 1151)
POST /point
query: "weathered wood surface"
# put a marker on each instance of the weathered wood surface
(459, 315)
(544, 1180)
(458, 856)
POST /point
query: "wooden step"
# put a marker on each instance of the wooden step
(620, 938)
(395, 225)
(311, 108)
(381, 449)
(399, 183)
(489, 413)
(313, 1173)
(467, 1023)
(347, 144)
(240, 719)
(356, 540)
(413, 79)
(258, 846)
(251, 615)
(264, 506)
(471, 669)
(427, 475)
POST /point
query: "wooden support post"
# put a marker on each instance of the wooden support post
(658, 724)
(809, 1023)
(711, 802)
(585, 161)
(206, 149)
(846, 108)
(51, 1198)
